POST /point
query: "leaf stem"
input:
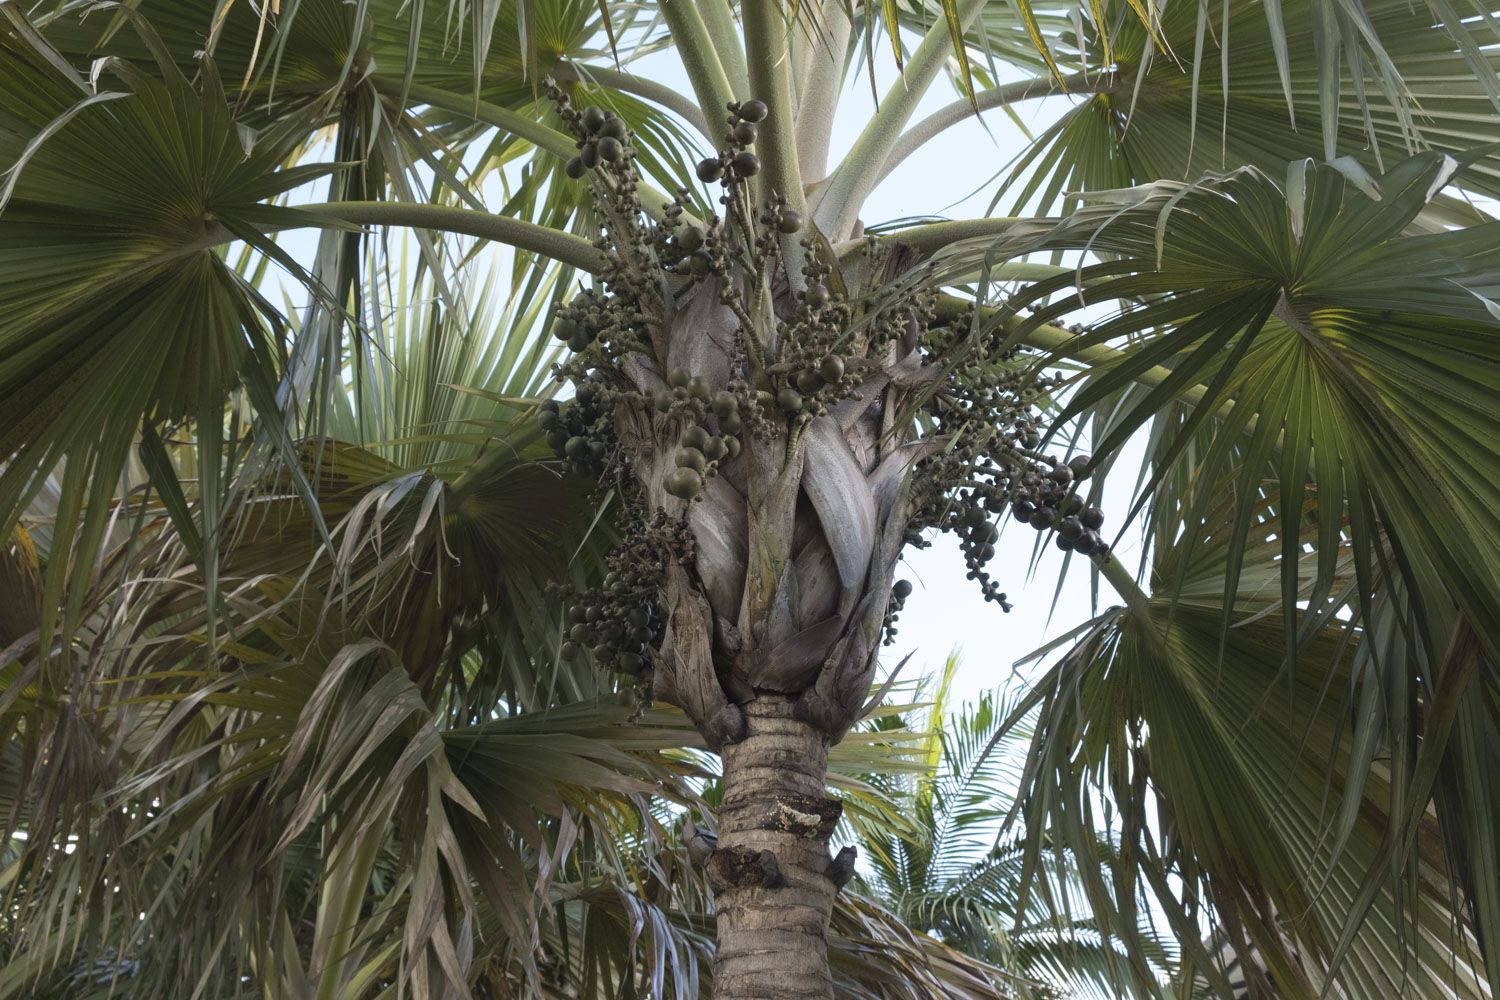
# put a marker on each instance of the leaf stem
(700, 58)
(560, 246)
(1119, 577)
(946, 117)
(628, 83)
(839, 201)
(819, 95)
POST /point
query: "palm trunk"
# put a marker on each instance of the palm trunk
(773, 894)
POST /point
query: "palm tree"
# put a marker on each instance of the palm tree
(774, 400)
(973, 890)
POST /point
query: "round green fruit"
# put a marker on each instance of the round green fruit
(710, 170)
(684, 483)
(809, 382)
(754, 111)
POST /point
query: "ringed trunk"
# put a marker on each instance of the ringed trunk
(772, 889)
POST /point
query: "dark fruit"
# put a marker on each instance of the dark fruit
(700, 388)
(1079, 464)
(733, 444)
(808, 382)
(789, 221)
(568, 651)
(593, 118)
(1072, 505)
(1042, 518)
(662, 401)
(754, 111)
(614, 128)
(789, 399)
(731, 425)
(817, 295)
(1023, 510)
(746, 164)
(695, 437)
(1061, 475)
(902, 589)
(576, 613)
(1070, 527)
(700, 264)
(744, 133)
(580, 340)
(715, 449)
(1093, 518)
(575, 168)
(684, 483)
(577, 447)
(710, 170)
(547, 420)
(725, 404)
(590, 155)
(832, 368)
(1065, 543)
(610, 150)
(690, 239)
(1086, 543)
(691, 458)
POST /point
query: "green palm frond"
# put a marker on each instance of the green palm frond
(1157, 117)
(1263, 799)
(110, 275)
(989, 898)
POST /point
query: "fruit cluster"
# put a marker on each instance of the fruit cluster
(1048, 501)
(900, 591)
(604, 140)
(579, 432)
(986, 407)
(737, 162)
(704, 442)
